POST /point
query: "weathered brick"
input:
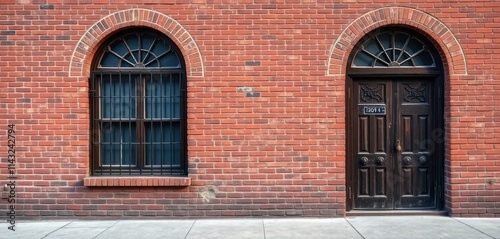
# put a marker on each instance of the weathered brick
(276, 150)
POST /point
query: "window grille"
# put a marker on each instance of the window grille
(138, 96)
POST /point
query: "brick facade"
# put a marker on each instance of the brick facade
(266, 103)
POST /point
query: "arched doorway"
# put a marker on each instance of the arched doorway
(394, 99)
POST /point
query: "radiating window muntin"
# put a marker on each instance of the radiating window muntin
(138, 95)
(390, 49)
(140, 50)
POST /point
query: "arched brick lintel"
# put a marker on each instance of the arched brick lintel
(89, 43)
(433, 27)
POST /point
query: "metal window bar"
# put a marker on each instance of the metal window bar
(162, 95)
(183, 123)
(120, 117)
(151, 123)
(130, 123)
(111, 126)
(171, 101)
(140, 119)
(168, 98)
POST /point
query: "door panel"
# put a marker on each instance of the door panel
(372, 150)
(415, 122)
(392, 157)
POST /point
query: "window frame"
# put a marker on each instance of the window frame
(138, 77)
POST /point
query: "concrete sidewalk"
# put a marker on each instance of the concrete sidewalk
(240, 228)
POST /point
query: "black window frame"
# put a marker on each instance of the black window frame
(138, 76)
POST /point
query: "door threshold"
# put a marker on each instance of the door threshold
(396, 213)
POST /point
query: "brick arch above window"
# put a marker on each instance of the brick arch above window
(88, 44)
(436, 30)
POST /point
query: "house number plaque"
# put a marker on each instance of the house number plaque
(374, 110)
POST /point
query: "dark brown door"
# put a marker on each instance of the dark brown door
(392, 153)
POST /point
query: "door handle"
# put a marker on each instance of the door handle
(398, 146)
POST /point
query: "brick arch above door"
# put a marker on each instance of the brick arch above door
(89, 43)
(453, 55)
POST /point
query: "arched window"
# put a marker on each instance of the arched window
(138, 101)
(395, 50)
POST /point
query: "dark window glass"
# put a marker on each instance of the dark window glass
(393, 49)
(118, 100)
(118, 144)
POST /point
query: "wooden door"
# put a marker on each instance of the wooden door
(391, 151)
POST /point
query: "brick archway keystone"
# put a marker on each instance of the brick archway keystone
(433, 27)
(93, 37)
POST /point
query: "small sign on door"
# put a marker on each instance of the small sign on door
(374, 110)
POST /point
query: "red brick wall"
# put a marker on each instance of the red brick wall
(279, 154)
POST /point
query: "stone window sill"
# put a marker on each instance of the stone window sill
(139, 181)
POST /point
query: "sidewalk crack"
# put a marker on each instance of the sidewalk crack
(106, 229)
(354, 228)
(192, 225)
(263, 229)
(473, 228)
(57, 229)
